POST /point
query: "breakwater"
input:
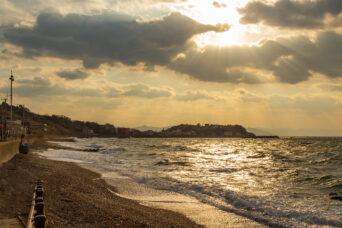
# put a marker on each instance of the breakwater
(8, 149)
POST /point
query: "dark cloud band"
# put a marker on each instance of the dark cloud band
(114, 38)
(107, 38)
(290, 13)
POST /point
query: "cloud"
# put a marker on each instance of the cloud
(195, 95)
(290, 60)
(73, 74)
(141, 90)
(248, 97)
(115, 38)
(309, 104)
(107, 38)
(229, 64)
(44, 87)
(10, 13)
(35, 87)
(219, 5)
(290, 13)
(331, 87)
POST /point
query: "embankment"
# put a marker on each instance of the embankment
(8, 149)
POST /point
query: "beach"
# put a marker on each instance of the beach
(109, 182)
(74, 197)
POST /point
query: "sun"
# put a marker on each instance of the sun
(234, 36)
(218, 12)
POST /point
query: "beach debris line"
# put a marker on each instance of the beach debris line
(37, 218)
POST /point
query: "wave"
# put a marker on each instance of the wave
(170, 147)
(167, 162)
(224, 170)
(337, 186)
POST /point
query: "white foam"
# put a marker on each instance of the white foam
(201, 213)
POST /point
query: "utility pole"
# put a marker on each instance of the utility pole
(11, 79)
(3, 119)
(23, 116)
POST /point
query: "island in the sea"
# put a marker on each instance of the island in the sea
(198, 131)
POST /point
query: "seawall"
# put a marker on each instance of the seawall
(8, 149)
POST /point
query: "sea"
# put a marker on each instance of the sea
(286, 182)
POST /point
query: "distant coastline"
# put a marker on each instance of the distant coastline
(60, 125)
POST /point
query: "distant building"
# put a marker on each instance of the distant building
(14, 128)
(123, 132)
(87, 132)
(109, 128)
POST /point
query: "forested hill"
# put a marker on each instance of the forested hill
(57, 125)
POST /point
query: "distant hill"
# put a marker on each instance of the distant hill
(59, 125)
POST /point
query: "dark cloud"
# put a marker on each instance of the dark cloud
(116, 38)
(290, 13)
(219, 5)
(73, 74)
(322, 55)
(291, 60)
(107, 38)
(227, 64)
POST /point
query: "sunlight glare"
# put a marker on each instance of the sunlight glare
(205, 12)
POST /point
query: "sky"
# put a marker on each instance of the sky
(259, 63)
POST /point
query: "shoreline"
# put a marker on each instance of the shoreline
(82, 200)
(113, 204)
(199, 212)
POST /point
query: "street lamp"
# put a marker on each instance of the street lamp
(12, 80)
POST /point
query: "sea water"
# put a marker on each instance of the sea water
(278, 182)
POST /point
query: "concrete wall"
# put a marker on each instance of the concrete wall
(8, 149)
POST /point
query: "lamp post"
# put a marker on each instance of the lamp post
(11, 79)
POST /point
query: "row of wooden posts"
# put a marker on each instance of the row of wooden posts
(37, 218)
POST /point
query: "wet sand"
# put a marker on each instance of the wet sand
(74, 197)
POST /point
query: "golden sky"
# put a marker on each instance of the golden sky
(265, 64)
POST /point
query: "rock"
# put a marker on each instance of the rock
(336, 198)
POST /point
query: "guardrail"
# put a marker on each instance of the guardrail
(37, 218)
